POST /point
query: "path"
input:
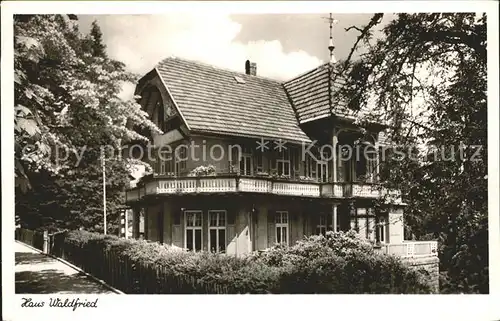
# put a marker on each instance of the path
(38, 273)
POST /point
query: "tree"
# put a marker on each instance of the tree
(425, 78)
(98, 47)
(67, 107)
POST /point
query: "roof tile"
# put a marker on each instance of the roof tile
(211, 100)
(310, 96)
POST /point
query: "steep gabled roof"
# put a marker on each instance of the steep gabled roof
(214, 100)
(310, 94)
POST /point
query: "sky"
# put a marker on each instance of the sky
(282, 45)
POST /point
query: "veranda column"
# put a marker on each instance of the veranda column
(334, 217)
(334, 155)
(135, 223)
(352, 215)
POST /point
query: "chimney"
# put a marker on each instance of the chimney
(250, 68)
(253, 69)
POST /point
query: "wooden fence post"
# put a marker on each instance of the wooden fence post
(45, 247)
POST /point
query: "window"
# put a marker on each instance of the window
(295, 162)
(217, 231)
(324, 224)
(193, 230)
(322, 171)
(160, 113)
(165, 161)
(246, 164)
(181, 159)
(361, 166)
(259, 158)
(382, 229)
(153, 104)
(154, 165)
(310, 167)
(282, 227)
(283, 163)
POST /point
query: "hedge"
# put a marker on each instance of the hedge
(336, 263)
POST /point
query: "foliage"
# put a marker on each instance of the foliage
(337, 263)
(425, 78)
(67, 107)
(203, 170)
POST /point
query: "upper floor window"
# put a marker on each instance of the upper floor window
(295, 162)
(246, 162)
(181, 159)
(310, 167)
(166, 164)
(259, 159)
(283, 163)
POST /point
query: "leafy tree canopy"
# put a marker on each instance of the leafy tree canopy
(67, 106)
(425, 78)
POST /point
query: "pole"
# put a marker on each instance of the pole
(126, 223)
(104, 190)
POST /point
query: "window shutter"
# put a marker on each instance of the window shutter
(178, 229)
(272, 161)
(271, 228)
(146, 223)
(292, 238)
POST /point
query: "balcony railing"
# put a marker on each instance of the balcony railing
(227, 183)
(411, 248)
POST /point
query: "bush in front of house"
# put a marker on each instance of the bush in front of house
(341, 263)
(336, 263)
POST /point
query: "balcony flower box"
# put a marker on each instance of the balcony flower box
(202, 170)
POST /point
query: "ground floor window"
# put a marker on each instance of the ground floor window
(217, 231)
(324, 223)
(364, 223)
(193, 230)
(282, 227)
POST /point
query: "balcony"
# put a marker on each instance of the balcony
(410, 249)
(358, 190)
(232, 183)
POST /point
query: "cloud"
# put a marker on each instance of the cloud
(141, 41)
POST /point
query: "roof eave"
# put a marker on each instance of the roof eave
(173, 99)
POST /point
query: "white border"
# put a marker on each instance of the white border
(451, 307)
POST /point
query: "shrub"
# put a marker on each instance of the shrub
(335, 263)
(340, 263)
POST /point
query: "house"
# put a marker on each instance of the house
(246, 162)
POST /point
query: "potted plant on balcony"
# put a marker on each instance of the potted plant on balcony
(202, 170)
(262, 174)
(234, 170)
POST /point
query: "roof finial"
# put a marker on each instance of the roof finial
(331, 21)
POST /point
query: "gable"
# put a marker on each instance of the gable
(162, 109)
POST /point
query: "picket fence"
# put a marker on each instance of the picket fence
(117, 270)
